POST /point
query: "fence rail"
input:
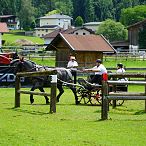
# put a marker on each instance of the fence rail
(121, 95)
(35, 74)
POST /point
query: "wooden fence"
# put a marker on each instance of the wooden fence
(53, 75)
(121, 95)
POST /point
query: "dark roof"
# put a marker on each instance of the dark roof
(3, 27)
(137, 24)
(67, 31)
(47, 26)
(120, 43)
(56, 32)
(83, 43)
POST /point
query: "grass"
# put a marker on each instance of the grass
(72, 125)
(11, 38)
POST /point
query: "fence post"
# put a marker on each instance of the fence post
(145, 94)
(53, 93)
(105, 104)
(17, 88)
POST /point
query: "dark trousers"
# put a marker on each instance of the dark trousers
(74, 74)
(96, 79)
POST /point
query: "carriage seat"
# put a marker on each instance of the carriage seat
(87, 85)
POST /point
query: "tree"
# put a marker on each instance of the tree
(65, 6)
(79, 21)
(53, 12)
(89, 11)
(130, 16)
(113, 31)
(26, 14)
(104, 9)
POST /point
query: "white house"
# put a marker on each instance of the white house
(52, 22)
(11, 20)
(92, 25)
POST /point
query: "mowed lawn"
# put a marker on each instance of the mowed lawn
(71, 125)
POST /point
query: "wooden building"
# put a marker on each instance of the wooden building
(133, 32)
(86, 48)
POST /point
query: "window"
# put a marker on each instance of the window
(84, 33)
(76, 33)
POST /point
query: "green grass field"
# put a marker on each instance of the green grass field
(71, 125)
(11, 38)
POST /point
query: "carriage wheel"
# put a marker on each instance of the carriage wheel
(95, 99)
(82, 96)
(118, 102)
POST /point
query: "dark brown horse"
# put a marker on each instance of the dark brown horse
(63, 75)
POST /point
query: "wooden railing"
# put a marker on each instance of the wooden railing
(52, 95)
(121, 95)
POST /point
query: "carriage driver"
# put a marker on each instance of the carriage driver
(99, 69)
(72, 65)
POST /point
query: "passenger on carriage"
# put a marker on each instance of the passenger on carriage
(98, 70)
(120, 69)
(72, 65)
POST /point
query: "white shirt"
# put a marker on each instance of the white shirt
(120, 70)
(101, 69)
(72, 64)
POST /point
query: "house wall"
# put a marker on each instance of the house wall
(41, 32)
(88, 59)
(50, 21)
(85, 59)
(133, 36)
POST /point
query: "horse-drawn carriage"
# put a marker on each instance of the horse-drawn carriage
(84, 92)
(92, 93)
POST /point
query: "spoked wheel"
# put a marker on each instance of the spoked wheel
(118, 102)
(83, 96)
(95, 99)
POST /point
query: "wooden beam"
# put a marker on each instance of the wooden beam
(39, 73)
(34, 93)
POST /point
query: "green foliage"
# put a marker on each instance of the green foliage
(89, 10)
(79, 21)
(113, 31)
(26, 14)
(53, 12)
(132, 15)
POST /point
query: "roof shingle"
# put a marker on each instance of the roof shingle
(95, 43)
(88, 43)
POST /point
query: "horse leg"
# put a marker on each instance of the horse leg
(31, 95)
(46, 97)
(75, 94)
(61, 91)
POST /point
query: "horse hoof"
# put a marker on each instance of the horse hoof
(78, 102)
(47, 102)
(57, 100)
(32, 101)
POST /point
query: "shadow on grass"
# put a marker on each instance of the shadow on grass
(28, 111)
